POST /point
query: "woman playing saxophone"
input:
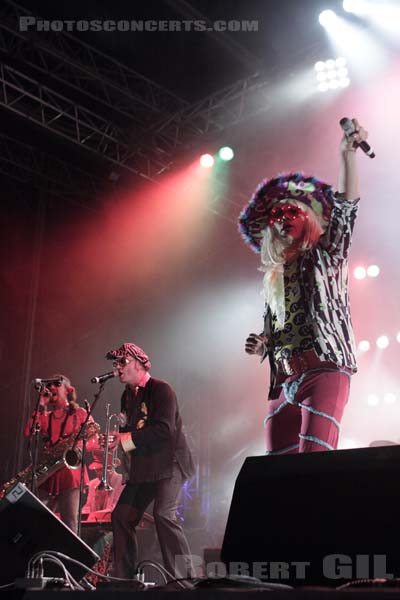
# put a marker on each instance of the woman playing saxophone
(58, 426)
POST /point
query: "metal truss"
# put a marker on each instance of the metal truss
(155, 126)
(70, 60)
(63, 116)
(25, 164)
(39, 170)
(218, 111)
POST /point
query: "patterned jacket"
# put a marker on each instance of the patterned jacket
(323, 277)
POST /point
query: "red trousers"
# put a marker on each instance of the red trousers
(306, 416)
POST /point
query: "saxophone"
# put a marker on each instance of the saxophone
(54, 458)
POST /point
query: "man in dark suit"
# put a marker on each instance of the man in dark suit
(160, 462)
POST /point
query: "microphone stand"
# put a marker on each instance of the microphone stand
(33, 444)
(82, 434)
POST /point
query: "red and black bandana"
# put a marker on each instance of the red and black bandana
(130, 350)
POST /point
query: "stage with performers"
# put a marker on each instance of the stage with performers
(341, 539)
(200, 342)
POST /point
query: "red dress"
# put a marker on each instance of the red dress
(52, 430)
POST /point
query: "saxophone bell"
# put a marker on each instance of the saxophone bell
(54, 458)
(72, 458)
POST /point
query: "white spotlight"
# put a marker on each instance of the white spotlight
(386, 15)
(364, 345)
(382, 342)
(323, 86)
(341, 62)
(359, 273)
(358, 7)
(327, 18)
(332, 72)
(373, 400)
(398, 337)
(373, 271)
(319, 65)
(206, 161)
(389, 398)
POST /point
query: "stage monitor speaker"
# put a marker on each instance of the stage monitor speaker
(323, 518)
(27, 526)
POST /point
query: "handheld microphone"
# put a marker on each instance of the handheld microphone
(348, 127)
(104, 377)
(39, 382)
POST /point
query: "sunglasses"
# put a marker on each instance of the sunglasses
(284, 212)
(57, 383)
(121, 362)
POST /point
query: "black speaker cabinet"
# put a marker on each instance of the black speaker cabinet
(323, 518)
(27, 526)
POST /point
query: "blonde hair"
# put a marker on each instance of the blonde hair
(276, 251)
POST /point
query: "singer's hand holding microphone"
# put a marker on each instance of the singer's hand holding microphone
(42, 386)
(354, 137)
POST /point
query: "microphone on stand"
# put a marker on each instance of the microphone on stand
(38, 383)
(349, 128)
(104, 377)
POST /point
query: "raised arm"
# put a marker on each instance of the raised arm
(348, 171)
